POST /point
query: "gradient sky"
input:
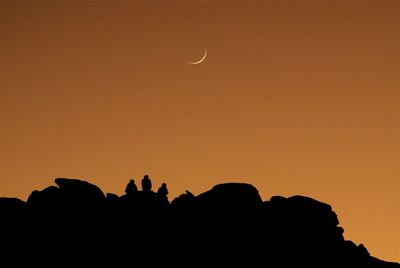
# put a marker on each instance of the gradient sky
(294, 97)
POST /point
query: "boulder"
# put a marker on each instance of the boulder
(47, 198)
(230, 197)
(80, 194)
(70, 194)
(11, 204)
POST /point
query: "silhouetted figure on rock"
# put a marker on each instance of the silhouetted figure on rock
(131, 188)
(163, 191)
(146, 184)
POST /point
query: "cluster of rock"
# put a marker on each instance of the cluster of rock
(227, 225)
(78, 195)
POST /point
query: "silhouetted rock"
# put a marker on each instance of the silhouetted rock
(304, 216)
(48, 198)
(230, 196)
(11, 204)
(75, 186)
(113, 201)
(80, 194)
(111, 196)
(144, 202)
(228, 225)
(184, 201)
(70, 194)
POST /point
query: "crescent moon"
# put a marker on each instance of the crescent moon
(199, 61)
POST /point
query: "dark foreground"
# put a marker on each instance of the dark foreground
(75, 224)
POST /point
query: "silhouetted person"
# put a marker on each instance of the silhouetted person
(146, 184)
(163, 191)
(131, 188)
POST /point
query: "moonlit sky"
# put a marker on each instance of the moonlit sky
(294, 97)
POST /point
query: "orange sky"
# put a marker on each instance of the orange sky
(295, 98)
